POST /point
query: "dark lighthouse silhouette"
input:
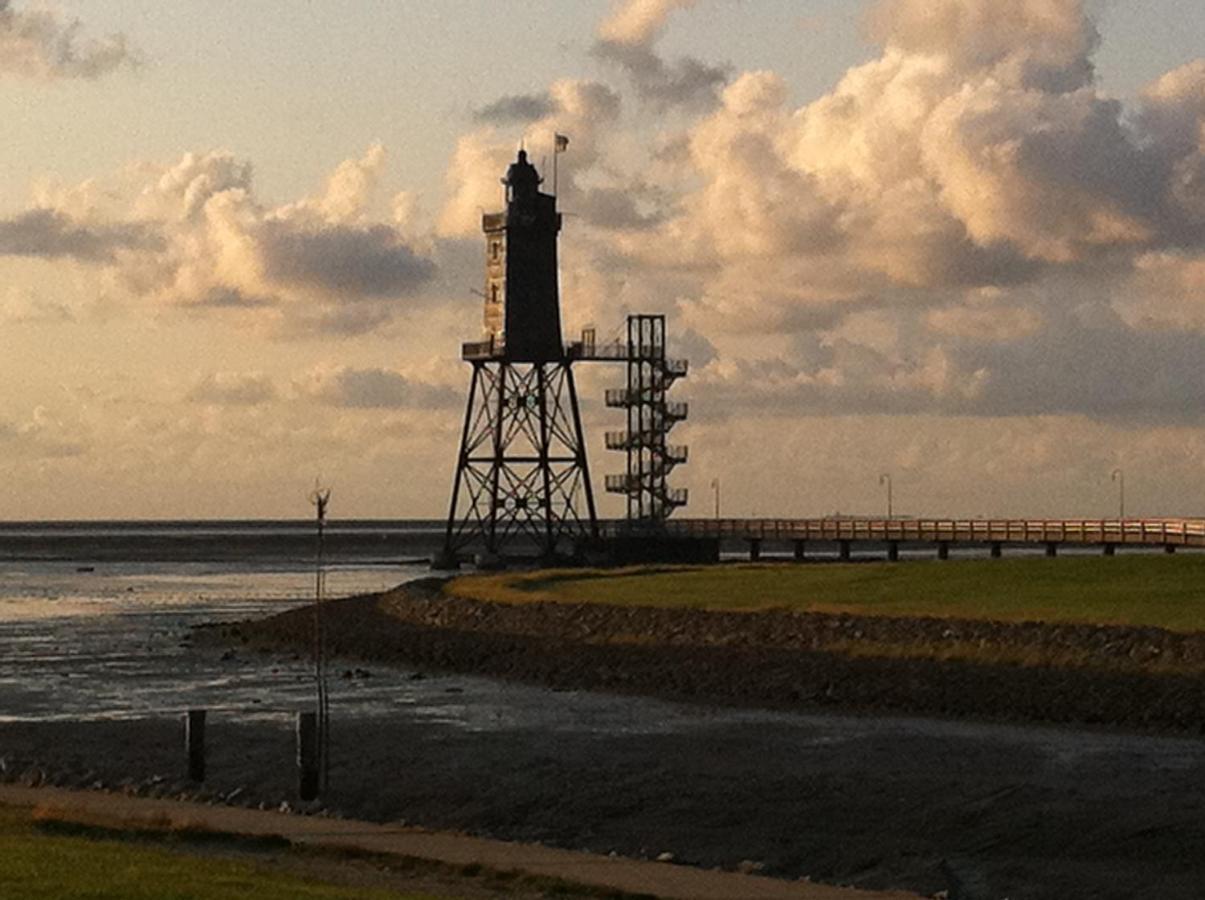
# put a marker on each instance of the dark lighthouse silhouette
(522, 486)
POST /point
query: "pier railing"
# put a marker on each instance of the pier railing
(1153, 532)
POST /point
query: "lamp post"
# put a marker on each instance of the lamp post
(886, 479)
(1120, 477)
(715, 486)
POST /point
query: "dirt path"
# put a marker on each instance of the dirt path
(632, 876)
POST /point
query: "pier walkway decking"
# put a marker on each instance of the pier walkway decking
(1108, 534)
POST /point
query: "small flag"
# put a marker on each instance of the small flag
(562, 143)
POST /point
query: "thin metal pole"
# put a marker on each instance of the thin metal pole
(1120, 477)
(885, 478)
(320, 498)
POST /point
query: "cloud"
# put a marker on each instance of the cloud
(41, 436)
(752, 203)
(368, 262)
(930, 230)
(50, 234)
(22, 307)
(193, 234)
(232, 389)
(582, 109)
(685, 82)
(1164, 293)
(373, 388)
(1004, 362)
(626, 38)
(1038, 44)
(617, 208)
(515, 108)
(638, 21)
(38, 43)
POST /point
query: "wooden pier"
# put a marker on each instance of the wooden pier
(996, 534)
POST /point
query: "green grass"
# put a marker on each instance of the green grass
(44, 861)
(1156, 590)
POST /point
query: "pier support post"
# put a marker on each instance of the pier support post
(754, 549)
(943, 549)
(194, 744)
(843, 550)
(1052, 548)
(1110, 550)
(893, 551)
(1169, 548)
(799, 544)
(997, 549)
(307, 755)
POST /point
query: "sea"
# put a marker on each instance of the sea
(95, 623)
(95, 618)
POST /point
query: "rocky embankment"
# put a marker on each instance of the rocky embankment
(1141, 678)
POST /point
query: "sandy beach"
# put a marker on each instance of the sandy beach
(886, 801)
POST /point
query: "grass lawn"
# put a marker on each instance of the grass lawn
(1146, 589)
(37, 861)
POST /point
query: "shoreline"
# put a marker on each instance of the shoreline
(780, 661)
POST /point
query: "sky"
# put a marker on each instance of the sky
(960, 242)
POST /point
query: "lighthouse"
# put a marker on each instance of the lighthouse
(522, 483)
(522, 294)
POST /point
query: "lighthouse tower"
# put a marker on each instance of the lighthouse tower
(522, 302)
(522, 483)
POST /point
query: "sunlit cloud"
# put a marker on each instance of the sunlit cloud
(232, 389)
(193, 234)
(40, 44)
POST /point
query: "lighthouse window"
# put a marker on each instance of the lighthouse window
(493, 293)
(495, 249)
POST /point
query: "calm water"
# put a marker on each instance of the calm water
(112, 642)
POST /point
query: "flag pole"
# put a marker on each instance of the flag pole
(560, 144)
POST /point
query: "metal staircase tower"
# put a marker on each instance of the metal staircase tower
(650, 457)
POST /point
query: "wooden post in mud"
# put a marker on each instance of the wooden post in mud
(307, 755)
(194, 743)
